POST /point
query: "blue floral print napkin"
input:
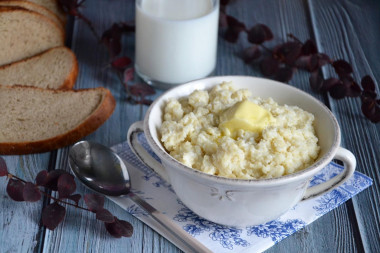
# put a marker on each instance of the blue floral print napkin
(218, 238)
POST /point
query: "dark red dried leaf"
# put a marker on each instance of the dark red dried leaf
(41, 178)
(309, 48)
(112, 39)
(317, 61)
(369, 94)
(288, 52)
(269, 66)
(256, 35)
(316, 80)
(127, 230)
(303, 62)
(313, 64)
(121, 63)
(323, 59)
(129, 74)
(52, 179)
(105, 216)
(284, 74)
(342, 67)
(371, 109)
(251, 53)
(367, 83)
(231, 35)
(268, 32)
(114, 229)
(329, 83)
(94, 202)
(259, 33)
(366, 99)
(233, 22)
(338, 91)
(52, 215)
(15, 189)
(141, 90)
(3, 168)
(66, 185)
(352, 88)
(375, 117)
(75, 198)
(119, 228)
(234, 28)
(31, 192)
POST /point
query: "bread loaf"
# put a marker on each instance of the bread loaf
(26, 33)
(34, 120)
(56, 68)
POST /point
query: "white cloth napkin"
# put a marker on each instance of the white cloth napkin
(149, 186)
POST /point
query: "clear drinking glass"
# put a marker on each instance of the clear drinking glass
(176, 40)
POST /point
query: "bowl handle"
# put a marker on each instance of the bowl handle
(349, 162)
(140, 151)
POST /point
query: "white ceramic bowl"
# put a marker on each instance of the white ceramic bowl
(239, 202)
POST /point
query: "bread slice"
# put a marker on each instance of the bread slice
(34, 120)
(56, 68)
(26, 33)
(33, 7)
(53, 6)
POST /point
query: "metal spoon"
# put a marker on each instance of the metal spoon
(103, 171)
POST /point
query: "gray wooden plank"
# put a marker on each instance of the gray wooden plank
(347, 29)
(285, 17)
(20, 220)
(22, 230)
(80, 232)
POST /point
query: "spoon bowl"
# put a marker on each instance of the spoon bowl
(99, 168)
(102, 170)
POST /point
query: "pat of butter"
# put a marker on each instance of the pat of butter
(244, 115)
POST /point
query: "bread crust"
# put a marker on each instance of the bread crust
(4, 9)
(89, 125)
(70, 79)
(54, 7)
(36, 8)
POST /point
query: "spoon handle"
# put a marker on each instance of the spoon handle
(190, 244)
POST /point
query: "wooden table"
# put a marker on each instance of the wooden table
(347, 29)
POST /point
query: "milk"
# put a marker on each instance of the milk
(176, 40)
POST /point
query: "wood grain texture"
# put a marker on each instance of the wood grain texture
(291, 17)
(345, 29)
(80, 232)
(20, 220)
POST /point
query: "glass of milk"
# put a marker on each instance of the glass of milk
(176, 40)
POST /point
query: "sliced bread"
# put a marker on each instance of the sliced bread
(53, 6)
(33, 7)
(34, 120)
(26, 33)
(56, 68)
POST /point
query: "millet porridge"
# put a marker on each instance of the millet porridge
(228, 133)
